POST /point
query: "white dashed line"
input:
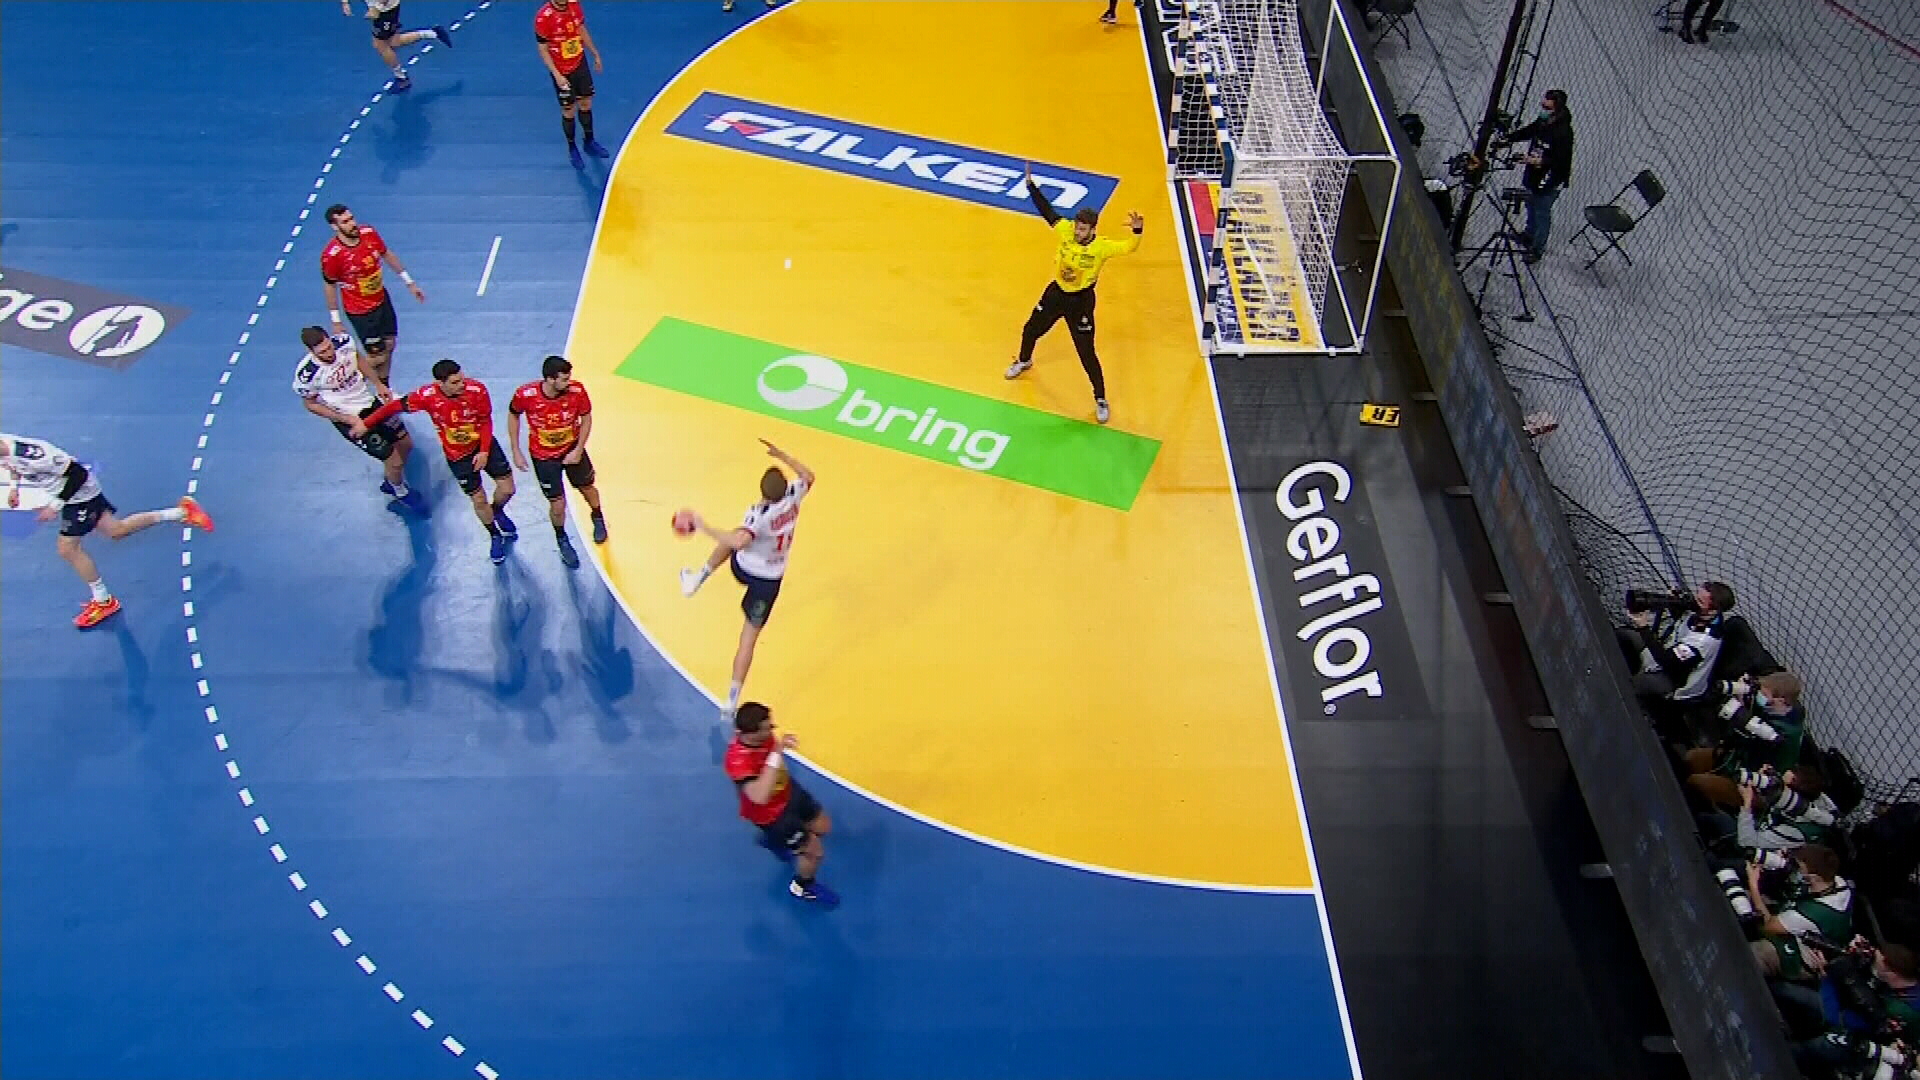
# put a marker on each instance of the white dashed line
(231, 764)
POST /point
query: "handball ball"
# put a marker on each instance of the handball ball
(683, 522)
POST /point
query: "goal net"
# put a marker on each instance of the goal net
(1266, 178)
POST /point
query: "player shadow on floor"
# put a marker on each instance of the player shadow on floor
(7, 230)
(395, 639)
(407, 142)
(604, 665)
(138, 674)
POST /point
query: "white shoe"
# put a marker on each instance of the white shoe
(1100, 410)
(1018, 368)
(691, 580)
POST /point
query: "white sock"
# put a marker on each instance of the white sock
(99, 589)
(399, 488)
(172, 513)
(733, 697)
(400, 71)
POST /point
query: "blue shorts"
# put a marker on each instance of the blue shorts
(757, 604)
(386, 24)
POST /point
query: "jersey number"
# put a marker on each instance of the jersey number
(783, 541)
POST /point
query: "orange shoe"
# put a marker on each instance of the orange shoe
(96, 612)
(196, 517)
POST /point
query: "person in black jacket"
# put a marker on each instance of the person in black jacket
(1549, 163)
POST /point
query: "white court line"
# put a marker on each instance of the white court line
(1178, 227)
(487, 274)
(580, 523)
(296, 879)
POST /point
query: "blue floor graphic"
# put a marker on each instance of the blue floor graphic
(484, 778)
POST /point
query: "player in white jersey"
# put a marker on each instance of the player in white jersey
(385, 17)
(336, 381)
(757, 550)
(41, 475)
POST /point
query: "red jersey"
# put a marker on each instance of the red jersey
(554, 423)
(356, 269)
(746, 762)
(559, 29)
(465, 423)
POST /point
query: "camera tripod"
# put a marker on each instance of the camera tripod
(1502, 251)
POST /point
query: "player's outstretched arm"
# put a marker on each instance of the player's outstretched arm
(1040, 203)
(806, 475)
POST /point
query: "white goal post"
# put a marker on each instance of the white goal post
(1264, 176)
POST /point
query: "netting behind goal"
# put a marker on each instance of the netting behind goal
(1267, 174)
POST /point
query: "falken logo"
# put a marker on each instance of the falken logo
(939, 168)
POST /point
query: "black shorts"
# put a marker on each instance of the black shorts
(757, 604)
(579, 84)
(497, 467)
(789, 830)
(386, 23)
(549, 470)
(79, 519)
(380, 439)
(377, 328)
(1057, 303)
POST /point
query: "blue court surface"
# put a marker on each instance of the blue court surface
(335, 798)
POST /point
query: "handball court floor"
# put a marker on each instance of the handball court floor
(335, 798)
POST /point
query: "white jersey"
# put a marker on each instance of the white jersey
(380, 7)
(337, 385)
(771, 524)
(39, 467)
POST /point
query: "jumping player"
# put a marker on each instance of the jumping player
(463, 414)
(791, 822)
(757, 550)
(335, 382)
(385, 16)
(560, 30)
(72, 493)
(559, 418)
(1069, 295)
(350, 267)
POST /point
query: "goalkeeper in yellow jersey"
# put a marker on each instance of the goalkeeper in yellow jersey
(1069, 296)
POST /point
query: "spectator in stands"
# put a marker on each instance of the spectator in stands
(1688, 32)
(1549, 165)
(1813, 899)
(1765, 727)
(1672, 655)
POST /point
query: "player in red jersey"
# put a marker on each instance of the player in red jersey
(560, 30)
(385, 17)
(791, 822)
(560, 417)
(350, 266)
(463, 414)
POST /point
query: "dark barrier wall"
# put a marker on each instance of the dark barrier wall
(1722, 1017)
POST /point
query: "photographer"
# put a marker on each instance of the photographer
(1765, 727)
(1549, 165)
(1777, 812)
(1672, 645)
(1866, 997)
(1813, 899)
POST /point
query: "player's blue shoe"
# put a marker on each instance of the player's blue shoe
(506, 524)
(573, 155)
(593, 147)
(569, 557)
(400, 84)
(599, 528)
(815, 893)
(445, 38)
(497, 551)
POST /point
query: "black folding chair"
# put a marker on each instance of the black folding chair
(1396, 13)
(1612, 221)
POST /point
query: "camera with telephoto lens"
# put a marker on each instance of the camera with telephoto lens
(1739, 900)
(1873, 1056)
(1671, 601)
(1770, 792)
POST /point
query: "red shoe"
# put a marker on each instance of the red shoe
(97, 612)
(196, 517)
